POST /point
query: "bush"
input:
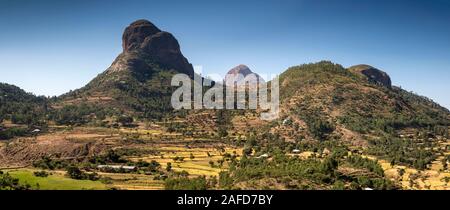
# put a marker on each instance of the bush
(320, 128)
(7, 182)
(12, 132)
(40, 174)
(75, 173)
(48, 163)
(111, 156)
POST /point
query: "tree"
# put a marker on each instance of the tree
(184, 183)
(7, 182)
(169, 167)
(125, 120)
(401, 172)
(247, 151)
(220, 162)
(320, 128)
(444, 164)
(329, 165)
(223, 132)
(74, 172)
(178, 159)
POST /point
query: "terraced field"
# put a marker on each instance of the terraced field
(196, 165)
(434, 178)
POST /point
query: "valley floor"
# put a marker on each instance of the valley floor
(194, 156)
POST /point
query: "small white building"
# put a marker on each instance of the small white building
(264, 156)
(117, 167)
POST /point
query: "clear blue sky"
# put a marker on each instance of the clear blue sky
(51, 47)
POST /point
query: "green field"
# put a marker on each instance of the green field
(55, 181)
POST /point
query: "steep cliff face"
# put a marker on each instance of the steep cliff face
(142, 41)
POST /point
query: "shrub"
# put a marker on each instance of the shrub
(40, 173)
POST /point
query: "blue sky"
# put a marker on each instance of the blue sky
(51, 47)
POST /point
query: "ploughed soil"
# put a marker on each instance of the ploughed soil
(78, 143)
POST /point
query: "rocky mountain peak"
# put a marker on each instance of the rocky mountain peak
(373, 74)
(136, 33)
(143, 41)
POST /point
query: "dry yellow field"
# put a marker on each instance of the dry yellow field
(198, 166)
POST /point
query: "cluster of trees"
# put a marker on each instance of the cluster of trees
(9, 133)
(7, 182)
(21, 107)
(49, 163)
(321, 128)
(40, 174)
(295, 172)
(185, 183)
(110, 156)
(371, 165)
(79, 114)
(75, 173)
(403, 151)
(223, 119)
(149, 167)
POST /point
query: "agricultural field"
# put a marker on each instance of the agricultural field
(196, 161)
(190, 156)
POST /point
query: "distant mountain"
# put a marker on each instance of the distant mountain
(244, 71)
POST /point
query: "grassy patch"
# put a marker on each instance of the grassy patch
(55, 181)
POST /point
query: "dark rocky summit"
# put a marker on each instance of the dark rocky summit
(135, 34)
(244, 71)
(373, 74)
(143, 41)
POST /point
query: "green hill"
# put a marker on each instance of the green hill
(337, 103)
(19, 106)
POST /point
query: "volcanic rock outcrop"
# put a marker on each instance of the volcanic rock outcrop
(142, 41)
(373, 74)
